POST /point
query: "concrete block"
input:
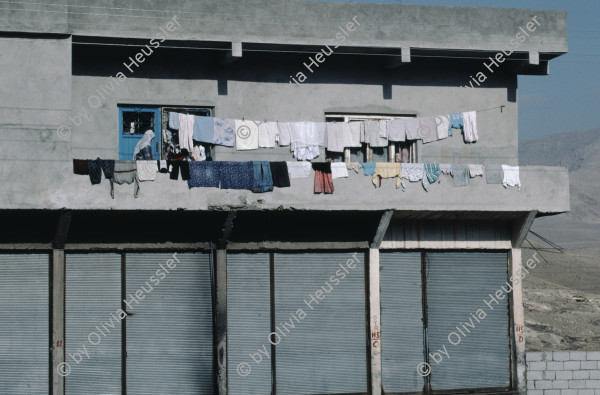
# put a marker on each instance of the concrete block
(530, 384)
(568, 392)
(572, 365)
(590, 365)
(538, 365)
(550, 375)
(576, 384)
(560, 384)
(593, 355)
(555, 365)
(533, 356)
(598, 392)
(564, 375)
(586, 392)
(595, 375)
(592, 384)
(535, 392)
(581, 374)
(561, 356)
(543, 385)
(552, 392)
(535, 375)
(547, 356)
(578, 355)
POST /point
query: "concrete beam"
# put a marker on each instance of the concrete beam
(136, 246)
(517, 330)
(291, 245)
(521, 228)
(234, 54)
(220, 327)
(58, 321)
(386, 217)
(375, 321)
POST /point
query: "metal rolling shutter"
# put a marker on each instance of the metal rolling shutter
(170, 336)
(457, 285)
(93, 295)
(326, 352)
(402, 346)
(248, 323)
(24, 324)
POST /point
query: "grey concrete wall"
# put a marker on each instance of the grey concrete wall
(299, 22)
(563, 373)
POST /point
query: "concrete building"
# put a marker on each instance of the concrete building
(282, 292)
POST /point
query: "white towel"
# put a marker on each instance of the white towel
(475, 170)
(412, 128)
(397, 130)
(267, 134)
(246, 135)
(335, 136)
(352, 134)
(285, 133)
(511, 176)
(322, 133)
(470, 126)
(304, 134)
(299, 169)
(338, 170)
(146, 170)
(443, 125)
(186, 132)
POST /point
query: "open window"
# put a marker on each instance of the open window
(133, 123)
(406, 150)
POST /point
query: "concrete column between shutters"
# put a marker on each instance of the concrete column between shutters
(221, 321)
(58, 321)
(374, 308)
(518, 326)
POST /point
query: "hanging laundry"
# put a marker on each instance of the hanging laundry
(237, 175)
(173, 120)
(511, 177)
(412, 128)
(323, 178)
(279, 172)
(432, 171)
(475, 170)
(443, 125)
(298, 169)
(285, 133)
(371, 136)
(397, 130)
(98, 166)
(335, 136)
(460, 173)
(470, 127)
(456, 122)
(246, 135)
(80, 167)
(305, 140)
(125, 173)
(108, 168)
(446, 169)
(494, 174)
(351, 133)
(204, 129)
(404, 155)
(146, 170)
(356, 166)
(267, 134)
(339, 170)
(175, 166)
(387, 170)
(368, 168)
(414, 172)
(199, 153)
(162, 166)
(204, 174)
(186, 132)
(321, 133)
(427, 129)
(263, 180)
(384, 125)
(224, 133)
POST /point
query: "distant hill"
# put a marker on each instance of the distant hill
(580, 152)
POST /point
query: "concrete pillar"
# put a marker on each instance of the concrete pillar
(221, 320)
(374, 308)
(58, 322)
(518, 326)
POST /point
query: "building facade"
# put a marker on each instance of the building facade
(378, 290)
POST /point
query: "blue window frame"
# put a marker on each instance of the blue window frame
(133, 123)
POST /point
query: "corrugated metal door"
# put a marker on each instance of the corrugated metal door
(457, 285)
(402, 345)
(325, 351)
(169, 334)
(24, 324)
(93, 326)
(248, 324)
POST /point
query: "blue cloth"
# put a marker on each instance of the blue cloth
(460, 173)
(204, 174)
(369, 168)
(224, 133)
(263, 180)
(237, 175)
(174, 120)
(456, 122)
(432, 171)
(204, 129)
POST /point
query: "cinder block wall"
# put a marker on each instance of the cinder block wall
(563, 373)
